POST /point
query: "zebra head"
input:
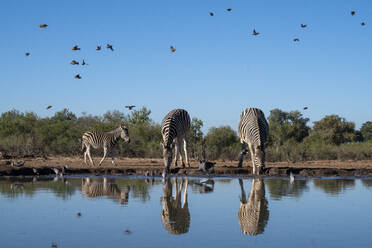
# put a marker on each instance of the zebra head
(124, 134)
(259, 157)
(167, 154)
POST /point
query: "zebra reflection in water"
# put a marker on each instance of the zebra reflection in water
(175, 216)
(98, 188)
(254, 213)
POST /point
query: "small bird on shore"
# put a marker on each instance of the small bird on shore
(43, 25)
(296, 39)
(17, 164)
(229, 9)
(49, 107)
(211, 13)
(352, 12)
(56, 171)
(27, 54)
(130, 107)
(74, 62)
(35, 171)
(206, 166)
(98, 48)
(77, 76)
(255, 32)
(291, 178)
(303, 25)
(363, 23)
(108, 46)
(75, 48)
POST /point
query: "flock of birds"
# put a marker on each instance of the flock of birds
(172, 48)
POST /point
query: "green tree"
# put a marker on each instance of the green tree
(366, 130)
(333, 129)
(196, 138)
(222, 142)
(285, 126)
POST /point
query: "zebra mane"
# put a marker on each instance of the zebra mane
(116, 132)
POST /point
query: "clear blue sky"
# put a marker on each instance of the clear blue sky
(218, 70)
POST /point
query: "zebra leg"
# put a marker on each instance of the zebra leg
(176, 151)
(85, 156)
(185, 150)
(252, 158)
(104, 155)
(179, 143)
(241, 156)
(90, 157)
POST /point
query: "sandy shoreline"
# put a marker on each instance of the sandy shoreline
(154, 166)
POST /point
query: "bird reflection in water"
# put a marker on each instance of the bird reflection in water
(97, 188)
(175, 216)
(253, 213)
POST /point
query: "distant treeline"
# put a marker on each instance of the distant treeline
(291, 139)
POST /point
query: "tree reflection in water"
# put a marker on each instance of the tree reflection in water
(175, 216)
(281, 188)
(253, 213)
(334, 186)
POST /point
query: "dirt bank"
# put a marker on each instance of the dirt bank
(136, 166)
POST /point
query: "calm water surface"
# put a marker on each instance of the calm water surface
(185, 212)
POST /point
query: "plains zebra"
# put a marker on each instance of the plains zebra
(253, 130)
(253, 214)
(175, 128)
(175, 216)
(103, 140)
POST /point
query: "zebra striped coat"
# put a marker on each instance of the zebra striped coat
(253, 131)
(175, 128)
(105, 140)
(253, 214)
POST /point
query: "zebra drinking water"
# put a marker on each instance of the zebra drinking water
(105, 140)
(253, 131)
(175, 128)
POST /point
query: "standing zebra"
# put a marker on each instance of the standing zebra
(103, 140)
(253, 130)
(175, 128)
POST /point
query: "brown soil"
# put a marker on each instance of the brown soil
(142, 166)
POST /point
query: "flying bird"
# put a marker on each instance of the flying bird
(296, 39)
(74, 62)
(98, 48)
(363, 23)
(130, 107)
(79, 214)
(75, 48)
(49, 107)
(229, 9)
(303, 25)
(352, 13)
(172, 49)
(77, 76)
(43, 25)
(109, 47)
(27, 54)
(211, 13)
(83, 63)
(305, 108)
(255, 32)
